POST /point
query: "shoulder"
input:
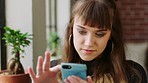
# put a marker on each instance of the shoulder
(55, 62)
(135, 65)
(138, 69)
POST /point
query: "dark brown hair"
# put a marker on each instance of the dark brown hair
(147, 58)
(101, 13)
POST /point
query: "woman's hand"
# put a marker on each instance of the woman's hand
(44, 74)
(75, 79)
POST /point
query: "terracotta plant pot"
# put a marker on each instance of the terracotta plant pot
(19, 78)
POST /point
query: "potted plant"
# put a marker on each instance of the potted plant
(15, 72)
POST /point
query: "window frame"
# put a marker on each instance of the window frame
(3, 54)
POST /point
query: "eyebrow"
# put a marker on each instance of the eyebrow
(85, 28)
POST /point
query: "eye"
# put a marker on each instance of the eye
(82, 32)
(99, 34)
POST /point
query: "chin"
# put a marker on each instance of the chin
(86, 59)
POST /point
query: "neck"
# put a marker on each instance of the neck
(89, 66)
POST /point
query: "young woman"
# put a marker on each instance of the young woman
(93, 37)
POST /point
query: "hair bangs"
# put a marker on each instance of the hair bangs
(94, 14)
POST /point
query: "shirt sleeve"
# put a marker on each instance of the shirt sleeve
(55, 62)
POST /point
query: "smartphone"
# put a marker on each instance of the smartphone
(69, 69)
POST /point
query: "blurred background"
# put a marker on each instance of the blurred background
(47, 20)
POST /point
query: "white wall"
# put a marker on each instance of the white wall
(19, 16)
(63, 16)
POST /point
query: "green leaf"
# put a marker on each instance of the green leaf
(16, 39)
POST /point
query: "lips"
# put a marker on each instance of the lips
(86, 51)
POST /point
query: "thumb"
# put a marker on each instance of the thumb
(55, 68)
(89, 79)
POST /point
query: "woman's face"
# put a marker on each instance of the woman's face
(89, 42)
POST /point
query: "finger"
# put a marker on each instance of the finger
(56, 68)
(75, 79)
(31, 74)
(89, 79)
(46, 63)
(66, 81)
(39, 66)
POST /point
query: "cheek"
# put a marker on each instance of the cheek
(102, 43)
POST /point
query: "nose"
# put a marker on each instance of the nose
(89, 40)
